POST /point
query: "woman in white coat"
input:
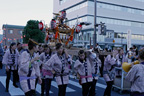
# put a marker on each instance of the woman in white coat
(10, 59)
(29, 69)
(47, 75)
(109, 71)
(58, 64)
(96, 63)
(84, 68)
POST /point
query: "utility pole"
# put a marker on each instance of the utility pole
(5, 35)
(95, 15)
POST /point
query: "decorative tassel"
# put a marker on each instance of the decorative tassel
(47, 38)
(71, 38)
(56, 35)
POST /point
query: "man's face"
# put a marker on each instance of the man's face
(60, 50)
(14, 47)
(36, 48)
(82, 56)
(134, 47)
(131, 49)
(121, 52)
(19, 46)
(46, 50)
(41, 49)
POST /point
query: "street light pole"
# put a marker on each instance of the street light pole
(5, 35)
(95, 15)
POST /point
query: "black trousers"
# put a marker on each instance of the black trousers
(36, 81)
(86, 88)
(108, 88)
(62, 90)
(17, 76)
(92, 89)
(42, 87)
(102, 66)
(9, 76)
(30, 93)
(1, 65)
(47, 85)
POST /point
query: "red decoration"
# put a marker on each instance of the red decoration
(41, 26)
(56, 35)
(78, 28)
(47, 37)
(71, 38)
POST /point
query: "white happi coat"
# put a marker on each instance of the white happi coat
(108, 63)
(7, 59)
(136, 77)
(124, 59)
(120, 60)
(55, 64)
(44, 58)
(96, 64)
(23, 71)
(81, 70)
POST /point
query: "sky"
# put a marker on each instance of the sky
(18, 12)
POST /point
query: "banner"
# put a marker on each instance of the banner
(128, 39)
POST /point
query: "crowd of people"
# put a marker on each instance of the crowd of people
(33, 63)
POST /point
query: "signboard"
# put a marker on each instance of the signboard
(128, 39)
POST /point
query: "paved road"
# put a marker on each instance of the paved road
(73, 89)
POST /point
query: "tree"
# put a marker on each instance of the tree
(32, 31)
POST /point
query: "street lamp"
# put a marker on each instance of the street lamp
(95, 35)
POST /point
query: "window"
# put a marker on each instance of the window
(10, 31)
(85, 4)
(107, 21)
(73, 22)
(120, 8)
(20, 32)
(120, 22)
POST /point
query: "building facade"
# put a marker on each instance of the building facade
(119, 16)
(12, 33)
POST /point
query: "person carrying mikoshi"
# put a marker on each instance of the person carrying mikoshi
(96, 63)
(47, 75)
(121, 58)
(10, 60)
(58, 64)
(29, 68)
(84, 68)
(136, 76)
(109, 72)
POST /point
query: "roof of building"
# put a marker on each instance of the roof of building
(13, 26)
